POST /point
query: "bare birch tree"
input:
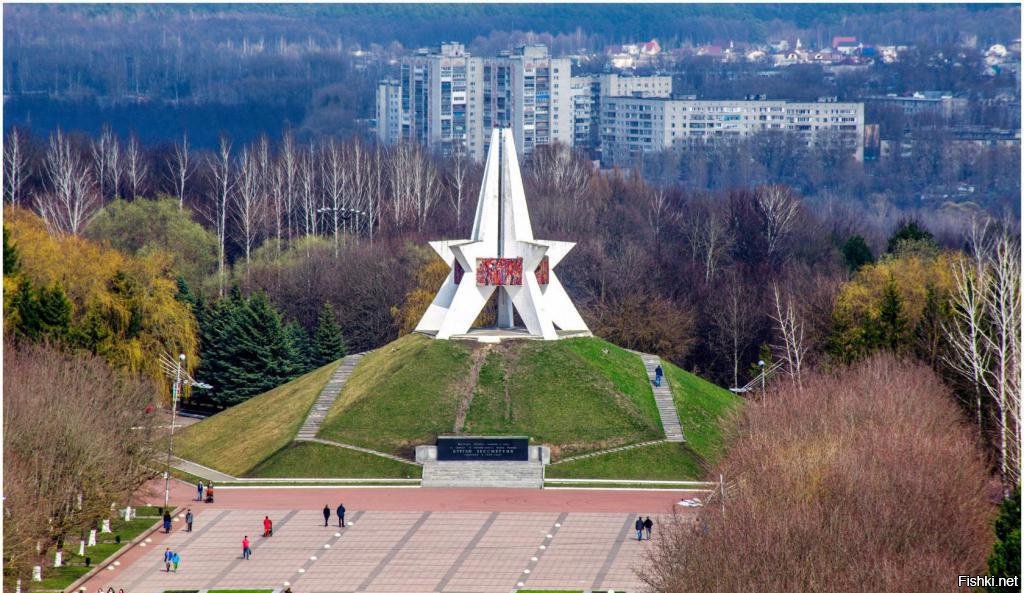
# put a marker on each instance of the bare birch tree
(105, 159)
(778, 207)
(180, 169)
(336, 186)
(288, 161)
(248, 204)
(984, 336)
(659, 211)
(710, 239)
(136, 168)
(308, 190)
(223, 180)
(16, 167)
(790, 328)
(457, 174)
(71, 200)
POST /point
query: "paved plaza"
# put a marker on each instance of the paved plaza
(401, 551)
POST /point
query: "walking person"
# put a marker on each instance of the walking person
(199, 488)
(188, 521)
(175, 559)
(648, 525)
(168, 558)
(658, 374)
(341, 515)
(639, 525)
(246, 550)
(327, 514)
(268, 527)
(167, 521)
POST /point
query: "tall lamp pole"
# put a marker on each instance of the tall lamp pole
(760, 364)
(181, 378)
(170, 435)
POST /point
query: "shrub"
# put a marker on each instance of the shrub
(866, 480)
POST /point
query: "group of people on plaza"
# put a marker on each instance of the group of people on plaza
(208, 488)
(643, 525)
(171, 558)
(341, 515)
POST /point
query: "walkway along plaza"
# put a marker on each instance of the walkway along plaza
(401, 540)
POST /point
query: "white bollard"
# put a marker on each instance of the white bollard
(58, 559)
(106, 526)
(92, 537)
(131, 511)
(17, 586)
(37, 573)
(81, 547)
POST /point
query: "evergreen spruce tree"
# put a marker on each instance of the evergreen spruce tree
(38, 313)
(12, 262)
(328, 343)
(1005, 558)
(857, 253)
(929, 335)
(891, 323)
(909, 231)
(300, 341)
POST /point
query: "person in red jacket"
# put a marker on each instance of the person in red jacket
(268, 527)
(246, 550)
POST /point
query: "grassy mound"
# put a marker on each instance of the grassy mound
(237, 439)
(315, 460)
(576, 396)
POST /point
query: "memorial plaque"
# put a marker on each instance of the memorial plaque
(483, 449)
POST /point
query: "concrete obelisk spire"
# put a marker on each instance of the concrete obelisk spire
(502, 255)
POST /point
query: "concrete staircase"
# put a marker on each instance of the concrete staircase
(325, 400)
(483, 474)
(663, 397)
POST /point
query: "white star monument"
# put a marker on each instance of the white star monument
(502, 255)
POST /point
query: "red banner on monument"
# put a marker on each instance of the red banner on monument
(499, 271)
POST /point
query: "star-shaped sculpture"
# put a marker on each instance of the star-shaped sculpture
(502, 255)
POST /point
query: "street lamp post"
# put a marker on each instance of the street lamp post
(760, 364)
(181, 377)
(170, 435)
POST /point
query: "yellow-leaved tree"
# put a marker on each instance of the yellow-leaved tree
(122, 307)
(886, 303)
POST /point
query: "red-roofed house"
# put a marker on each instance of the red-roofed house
(837, 41)
(651, 48)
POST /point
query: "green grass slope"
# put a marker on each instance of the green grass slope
(236, 440)
(400, 395)
(574, 395)
(315, 460)
(704, 409)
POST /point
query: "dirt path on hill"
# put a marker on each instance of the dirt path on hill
(467, 387)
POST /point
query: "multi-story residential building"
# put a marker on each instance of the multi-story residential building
(449, 100)
(434, 101)
(389, 112)
(942, 104)
(632, 126)
(587, 92)
(529, 91)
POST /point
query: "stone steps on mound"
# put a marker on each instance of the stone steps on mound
(663, 398)
(328, 394)
(483, 474)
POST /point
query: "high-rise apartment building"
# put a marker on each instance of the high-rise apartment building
(632, 126)
(433, 101)
(450, 100)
